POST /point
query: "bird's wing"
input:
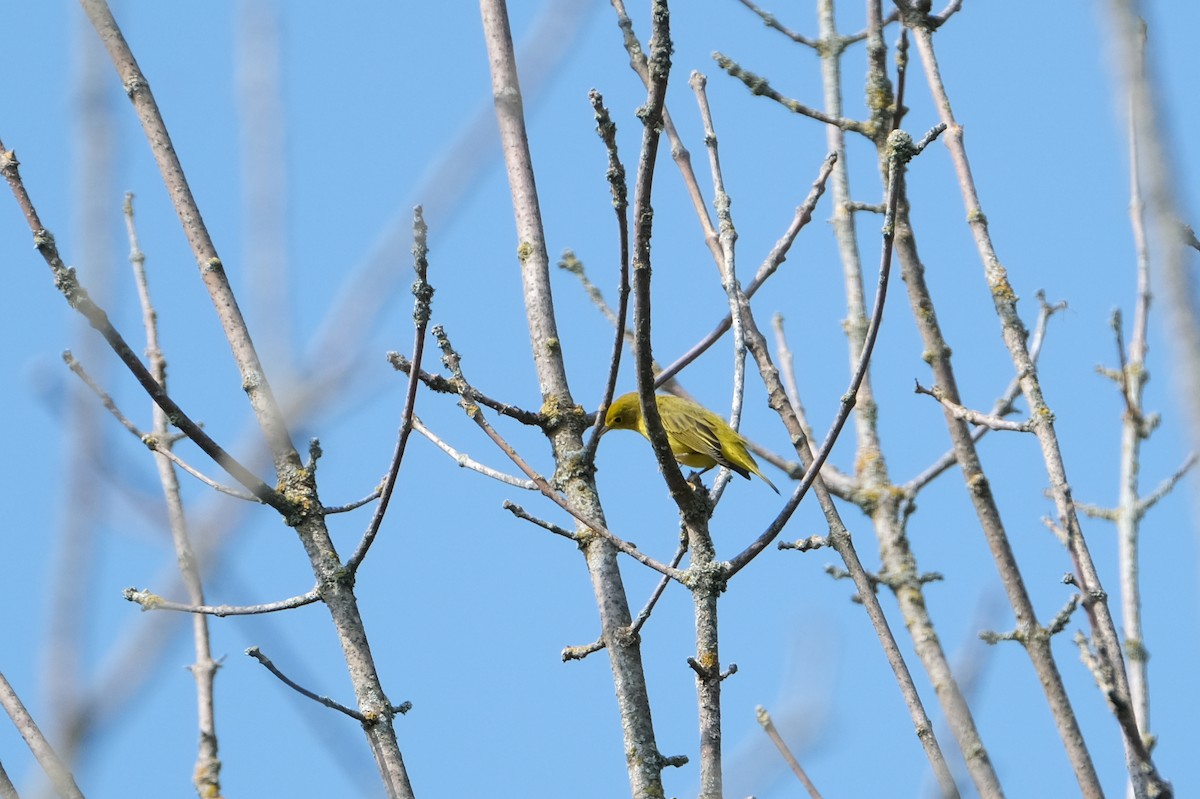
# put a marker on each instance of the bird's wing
(692, 436)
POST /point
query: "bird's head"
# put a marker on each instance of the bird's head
(624, 414)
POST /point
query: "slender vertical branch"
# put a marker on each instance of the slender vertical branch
(727, 267)
(1033, 637)
(1134, 427)
(607, 129)
(207, 774)
(706, 581)
(212, 270)
(658, 71)
(643, 760)
(423, 293)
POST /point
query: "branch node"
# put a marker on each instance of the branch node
(146, 600)
(805, 544)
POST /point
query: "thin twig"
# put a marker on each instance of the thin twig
(764, 718)
(206, 776)
(155, 443)
(349, 506)
(151, 601)
(442, 385)
(952, 8)
(771, 22)
(521, 513)
(972, 416)
(607, 129)
(423, 293)
(1166, 486)
(839, 484)
(727, 269)
(865, 32)
(257, 654)
(760, 87)
(467, 462)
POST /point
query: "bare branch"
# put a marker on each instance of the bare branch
(206, 776)
(257, 654)
(764, 719)
(760, 87)
(521, 513)
(972, 416)
(60, 776)
(444, 386)
(212, 270)
(771, 22)
(1166, 486)
(151, 601)
(349, 506)
(466, 462)
(566, 434)
(423, 293)
(607, 129)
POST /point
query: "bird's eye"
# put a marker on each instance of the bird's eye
(617, 419)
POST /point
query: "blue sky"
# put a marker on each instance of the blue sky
(467, 607)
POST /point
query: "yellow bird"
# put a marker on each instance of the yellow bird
(697, 436)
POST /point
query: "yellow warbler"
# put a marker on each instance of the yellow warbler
(697, 436)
